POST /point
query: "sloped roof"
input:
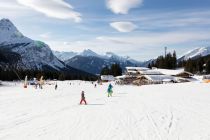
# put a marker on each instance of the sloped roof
(132, 71)
(137, 68)
(150, 72)
(159, 77)
(173, 72)
(107, 77)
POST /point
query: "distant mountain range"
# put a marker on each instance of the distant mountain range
(28, 54)
(92, 62)
(24, 53)
(89, 53)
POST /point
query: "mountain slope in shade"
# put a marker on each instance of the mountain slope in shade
(89, 64)
(34, 54)
(198, 52)
(94, 64)
(88, 53)
(31, 54)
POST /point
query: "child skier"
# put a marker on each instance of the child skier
(83, 98)
(109, 90)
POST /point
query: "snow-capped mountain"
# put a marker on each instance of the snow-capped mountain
(88, 52)
(111, 55)
(10, 35)
(68, 55)
(64, 55)
(34, 54)
(198, 52)
(20, 52)
(92, 62)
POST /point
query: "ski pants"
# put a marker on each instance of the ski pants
(83, 100)
(109, 94)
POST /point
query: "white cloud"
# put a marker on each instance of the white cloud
(46, 35)
(157, 39)
(11, 9)
(141, 47)
(53, 8)
(122, 6)
(123, 26)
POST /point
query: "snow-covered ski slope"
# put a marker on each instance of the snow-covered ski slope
(154, 112)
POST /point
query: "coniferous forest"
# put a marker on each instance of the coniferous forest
(114, 70)
(10, 71)
(165, 62)
(199, 65)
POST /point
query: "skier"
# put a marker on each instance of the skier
(83, 98)
(95, 85)
(109, 90)
(56, 86)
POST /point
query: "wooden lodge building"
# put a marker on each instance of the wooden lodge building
(145, 76)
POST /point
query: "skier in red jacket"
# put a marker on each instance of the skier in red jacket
(83, 98)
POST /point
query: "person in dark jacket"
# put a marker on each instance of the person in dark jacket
(83, 98)
(56, 86)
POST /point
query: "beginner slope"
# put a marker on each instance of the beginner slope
(153, 112)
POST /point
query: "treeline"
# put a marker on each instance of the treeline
(114, 70)
(165, 62)
(10, 71)
(199, 65)
(9, 75)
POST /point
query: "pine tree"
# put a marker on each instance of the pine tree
(149, 66)
(105, 71)
(116, 70)
(208, 67)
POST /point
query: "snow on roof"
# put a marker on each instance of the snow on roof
(137, 68)
(150, 72)
(132, 71)
(160, 77)
(170, 72)
(121, 77)
(107, 77)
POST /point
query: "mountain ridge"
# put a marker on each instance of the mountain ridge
(195, 53)
(34, 55)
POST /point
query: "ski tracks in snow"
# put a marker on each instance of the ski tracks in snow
(133, 113)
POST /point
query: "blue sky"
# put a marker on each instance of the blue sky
(136, 28)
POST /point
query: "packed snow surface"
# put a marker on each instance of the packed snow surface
(153, 112)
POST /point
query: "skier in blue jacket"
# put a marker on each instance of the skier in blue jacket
(109, 90)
